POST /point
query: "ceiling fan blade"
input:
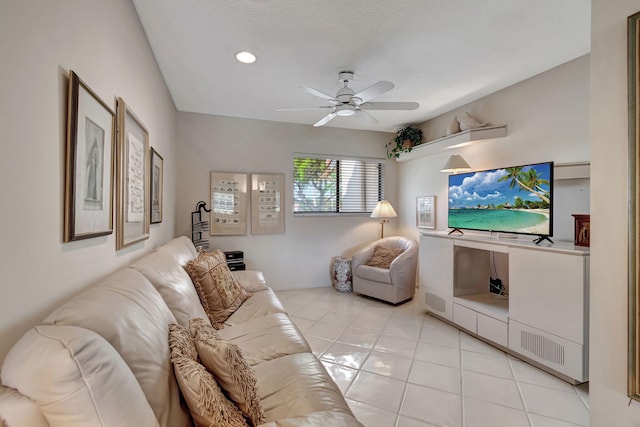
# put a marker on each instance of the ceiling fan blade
(319, 94)
(326, 119)
(366, 118)
(390, 106)
(304, 109)
(374, 90)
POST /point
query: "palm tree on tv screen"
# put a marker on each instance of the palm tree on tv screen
(530, 181)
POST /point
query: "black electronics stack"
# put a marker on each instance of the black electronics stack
(235, 260)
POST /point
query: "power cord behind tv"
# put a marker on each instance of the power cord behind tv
(495, 283)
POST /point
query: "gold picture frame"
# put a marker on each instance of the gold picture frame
(633, 46)
(132, 178)
(229, 202)
(89, 163)
(267, 203)
(157, 186)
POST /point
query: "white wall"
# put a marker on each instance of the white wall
(40, 41)
(547, 117)
(608, 316)
(301, 257)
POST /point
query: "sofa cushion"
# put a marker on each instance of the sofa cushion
(76, 378)
(383, 257)
(218, 290)
(297, 385)
(127, 311)
(318, 419)
(225, 361)
(266, 338)
(174, 284)
(206, 401)
(260, 304)
(374, 274)
(250, 280)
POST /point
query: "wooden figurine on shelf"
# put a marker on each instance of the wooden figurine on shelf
(582, 229)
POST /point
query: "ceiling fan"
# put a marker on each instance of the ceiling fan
(349, 103)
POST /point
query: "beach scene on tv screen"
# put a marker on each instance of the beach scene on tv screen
(514, 199)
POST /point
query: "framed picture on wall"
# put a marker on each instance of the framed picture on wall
(228, 203)
(89, 162)
(425, 212)
(132, 177)
(157, 170)
(633, 74)
(267, 203)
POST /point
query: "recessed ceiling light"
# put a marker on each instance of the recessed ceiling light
(246, 57)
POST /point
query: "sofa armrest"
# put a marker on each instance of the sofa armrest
(362, 256)
(18, 410)
(403, 269)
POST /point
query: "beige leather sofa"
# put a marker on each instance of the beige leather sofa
(102, 358)
(395, 284)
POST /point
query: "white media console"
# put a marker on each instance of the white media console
(543, 319)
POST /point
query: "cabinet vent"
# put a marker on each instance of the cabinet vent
(543, 347)
(435, 302)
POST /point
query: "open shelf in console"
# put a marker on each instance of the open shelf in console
(473, 266)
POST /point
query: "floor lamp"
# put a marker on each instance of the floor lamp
(383, 210)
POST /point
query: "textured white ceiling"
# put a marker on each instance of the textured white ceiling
(442, 54)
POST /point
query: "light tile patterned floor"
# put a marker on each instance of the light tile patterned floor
(400, 367)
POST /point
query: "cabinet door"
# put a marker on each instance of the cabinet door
(436, 274)
(547, 291)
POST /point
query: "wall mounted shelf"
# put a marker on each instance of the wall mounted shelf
(457, 140)
(574, 170)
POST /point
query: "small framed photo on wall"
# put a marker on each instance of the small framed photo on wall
(157, 170)
(426, 212)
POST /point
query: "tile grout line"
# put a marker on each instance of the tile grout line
(462, 405)
(524, 403)
(406, 383)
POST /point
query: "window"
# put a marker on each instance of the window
(336, 185)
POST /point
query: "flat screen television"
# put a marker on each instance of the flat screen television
(516, 199)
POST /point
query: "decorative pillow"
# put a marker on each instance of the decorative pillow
(382, 257)
(225, 361)
(219, 292)
(206, 401)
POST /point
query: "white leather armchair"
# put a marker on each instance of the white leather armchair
(394, 285)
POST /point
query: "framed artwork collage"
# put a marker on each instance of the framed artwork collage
(108, 161)
(233, 193)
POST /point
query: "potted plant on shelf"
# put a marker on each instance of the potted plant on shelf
(403, 142)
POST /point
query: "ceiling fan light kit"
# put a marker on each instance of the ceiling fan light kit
(348, 103)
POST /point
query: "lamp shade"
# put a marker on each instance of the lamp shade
(456, 164)
(383, 210)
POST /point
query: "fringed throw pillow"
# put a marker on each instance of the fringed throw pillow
(207, 403)
(383, 257)
(225, 361)
(219, 292)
